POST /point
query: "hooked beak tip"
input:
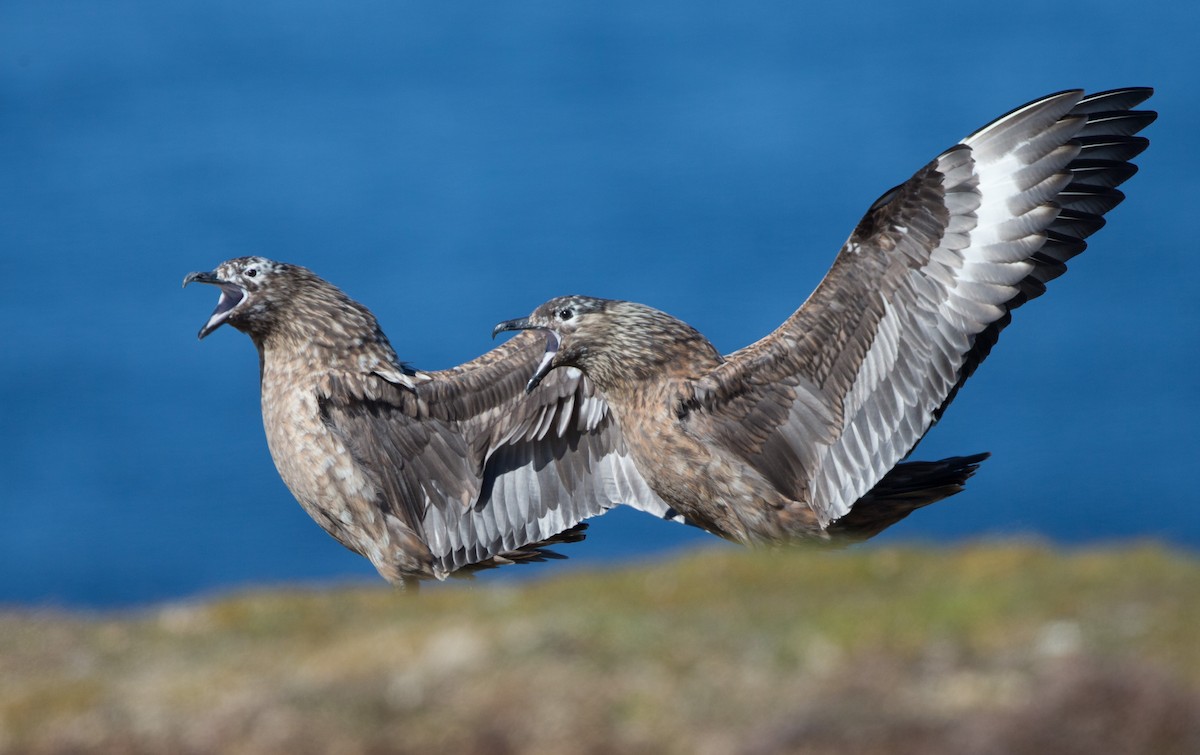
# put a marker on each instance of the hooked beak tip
(199, 278)
(507, 325)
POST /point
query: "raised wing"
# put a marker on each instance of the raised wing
(830, 401)
(477, 468)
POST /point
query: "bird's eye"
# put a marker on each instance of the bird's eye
(251, 272)
(565, 313)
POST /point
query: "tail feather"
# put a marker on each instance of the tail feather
(906, 488)
(530, 553)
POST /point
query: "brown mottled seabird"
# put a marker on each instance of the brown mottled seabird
(802, 434)
(424, 473)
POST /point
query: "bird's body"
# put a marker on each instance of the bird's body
(647, 391)
(291, 392)
(423, 473)
(802, 434)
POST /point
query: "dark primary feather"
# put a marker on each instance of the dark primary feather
(424, 473)
(1106, 144)
(803, 432)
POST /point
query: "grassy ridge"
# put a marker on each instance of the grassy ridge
(1005, 648)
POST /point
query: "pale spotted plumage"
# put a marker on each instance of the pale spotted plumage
(424, 473)
(803, 432)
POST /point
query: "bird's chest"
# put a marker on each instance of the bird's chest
(313, 461)
(683, 470)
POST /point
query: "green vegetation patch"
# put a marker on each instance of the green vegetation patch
(984, 648)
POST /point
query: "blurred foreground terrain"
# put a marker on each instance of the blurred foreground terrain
(984, 649)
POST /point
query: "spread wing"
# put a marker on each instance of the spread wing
(477, 468)
(830, 401)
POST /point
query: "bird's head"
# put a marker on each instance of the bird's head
(612, 341)
(267, 299)
(575, 327)
(253, 290)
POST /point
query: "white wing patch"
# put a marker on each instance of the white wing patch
(1000, 194)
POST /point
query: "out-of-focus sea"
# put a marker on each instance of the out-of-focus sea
(454, 164)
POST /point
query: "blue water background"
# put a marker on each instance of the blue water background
(454, 164)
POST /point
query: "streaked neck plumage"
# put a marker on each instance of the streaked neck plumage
(634, 344)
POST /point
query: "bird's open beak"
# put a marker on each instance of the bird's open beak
(552, 344)
(231, 295)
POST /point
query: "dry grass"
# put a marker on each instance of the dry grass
(991, 649)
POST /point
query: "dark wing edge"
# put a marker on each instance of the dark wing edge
(830, 401)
